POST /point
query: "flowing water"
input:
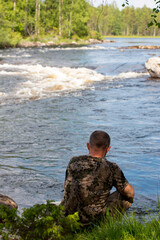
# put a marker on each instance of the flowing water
(51, 99)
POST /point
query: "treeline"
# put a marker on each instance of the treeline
(70, 19)
(23, 18)
(129, 21)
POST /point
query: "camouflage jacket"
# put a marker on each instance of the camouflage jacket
(87, 186)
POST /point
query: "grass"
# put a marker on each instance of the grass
(124, 228)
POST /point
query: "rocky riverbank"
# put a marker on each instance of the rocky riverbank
(141, 47)
(25, 44)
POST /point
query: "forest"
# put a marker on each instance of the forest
(72, 19)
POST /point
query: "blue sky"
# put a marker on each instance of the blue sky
(136, 3)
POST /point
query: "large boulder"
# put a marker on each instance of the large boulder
(7, 201)
(153, 67)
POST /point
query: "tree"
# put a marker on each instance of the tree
(37, 17)
(60, 16)
(154, 13)
(113, 20)
(50, 16)
(74, 19)
(129, 20)
(80, 18)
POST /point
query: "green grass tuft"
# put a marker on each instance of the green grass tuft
(124, 228)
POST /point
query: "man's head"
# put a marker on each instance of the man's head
(99, 143)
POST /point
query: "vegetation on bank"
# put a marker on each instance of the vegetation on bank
(40, 222)
(49, 40)
(47, 222)
(70, 19)
(126, 228)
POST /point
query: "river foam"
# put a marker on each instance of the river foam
(95, 47)
(125, 75)
(42, 81)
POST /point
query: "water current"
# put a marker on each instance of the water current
(51, 99)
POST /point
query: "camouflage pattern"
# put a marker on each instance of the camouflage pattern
(87, 186)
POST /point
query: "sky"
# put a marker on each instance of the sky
(135, 3)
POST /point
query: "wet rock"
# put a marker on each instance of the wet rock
(7, 201)
(153, 67)
(142, 47)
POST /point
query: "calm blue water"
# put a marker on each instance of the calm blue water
(52, 99)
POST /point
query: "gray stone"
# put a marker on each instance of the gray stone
(7, 201)
(153, 67)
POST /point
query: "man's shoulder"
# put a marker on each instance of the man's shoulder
(112, 165)
(87, 158)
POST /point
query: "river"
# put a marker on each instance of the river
(51, 99)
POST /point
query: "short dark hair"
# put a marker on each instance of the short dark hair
(99, 139)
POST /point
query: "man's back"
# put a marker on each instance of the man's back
(87, 185)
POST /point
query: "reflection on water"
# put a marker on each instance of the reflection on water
(40, 135)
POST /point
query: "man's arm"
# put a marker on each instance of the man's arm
(121, 183)
(128, 191)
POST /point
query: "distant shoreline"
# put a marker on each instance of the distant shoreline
(131, 36)
(54, 42)
(26, 44)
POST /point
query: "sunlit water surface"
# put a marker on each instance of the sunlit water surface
(51, 99)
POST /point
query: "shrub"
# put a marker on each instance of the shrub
(95, 35)
(8, 38)
(75, 37)
(40, 222)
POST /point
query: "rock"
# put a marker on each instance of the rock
(153, 67)
(36, 44)
(26, 44)
(94, 41)
(108, 41)
(142, 47)
(74, 43)
(7, 201)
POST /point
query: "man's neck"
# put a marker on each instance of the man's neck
(97, 155)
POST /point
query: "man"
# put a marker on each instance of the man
(90, 178)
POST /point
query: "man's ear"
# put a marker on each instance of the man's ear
(108, 149)
(88, 146)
